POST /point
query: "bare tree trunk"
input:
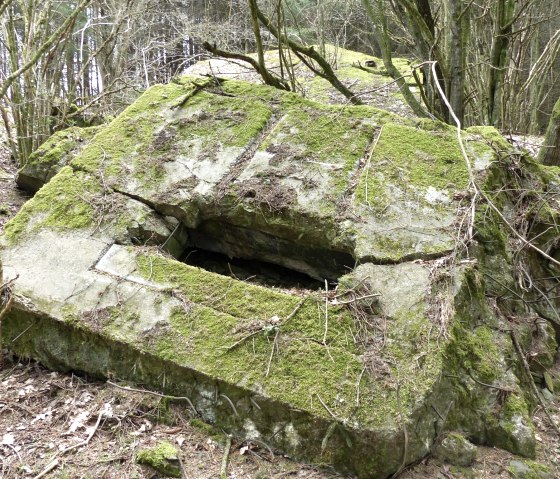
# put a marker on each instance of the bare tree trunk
(550, 151)
(379, 21)
(457, 58)
(498, 59)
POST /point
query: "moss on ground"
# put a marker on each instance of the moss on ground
(164, 458)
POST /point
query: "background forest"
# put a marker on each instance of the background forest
(68, 63)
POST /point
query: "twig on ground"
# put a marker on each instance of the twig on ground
(326, 407)
(499, 388)
(296, 309)
(55, 462)
(225, 459)
(352, 290)
(182, 467)
(153, 393)
(52, 465)
(370, 154)
(274, 346)
(86, 441)
(242, 340)
(358, 387)
(326, 312)
(230, 403)
(353, 300)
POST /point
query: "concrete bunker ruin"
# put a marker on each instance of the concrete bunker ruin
(363, 378)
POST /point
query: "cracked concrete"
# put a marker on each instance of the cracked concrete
(264, 175)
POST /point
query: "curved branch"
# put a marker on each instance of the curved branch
(267, 77)
(326, 70)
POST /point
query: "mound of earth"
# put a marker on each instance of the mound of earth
(296, 270)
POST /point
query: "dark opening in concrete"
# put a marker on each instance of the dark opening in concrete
(251, 244)
(255, 256)
(251, 270)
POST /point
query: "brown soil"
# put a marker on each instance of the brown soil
(42, 413)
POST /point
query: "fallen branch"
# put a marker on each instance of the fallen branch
(86, 441)
(354, 300)
(368, 162)
(254, 333)
(153, 393)
(47, 469)
(274, 347)
(56, 461)
(243, 339)
(296, 309)
(326, 312)
(225, 459)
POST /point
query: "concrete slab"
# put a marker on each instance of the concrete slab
(357, 378)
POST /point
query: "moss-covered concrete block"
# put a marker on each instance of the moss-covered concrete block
(529, 470)
(457, 450)
(163, 457)
(364, 378)
(53, 155)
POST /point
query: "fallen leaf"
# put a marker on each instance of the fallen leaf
(78, 422)
(8, 439)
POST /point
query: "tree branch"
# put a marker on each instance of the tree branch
(267, 77)
(299, 49)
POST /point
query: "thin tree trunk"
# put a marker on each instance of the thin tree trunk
(457, 58)
(550, 151)
(379, 20)
(498, 59)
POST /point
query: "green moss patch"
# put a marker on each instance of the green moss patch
(412, 158)
(132, 131)
(63, 204)
(164, 458)
(228, 329)
(61, 145)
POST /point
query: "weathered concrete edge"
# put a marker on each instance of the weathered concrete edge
(364, 453)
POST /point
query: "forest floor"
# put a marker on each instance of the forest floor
(43, 413)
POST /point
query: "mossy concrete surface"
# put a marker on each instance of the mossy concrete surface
(51, 156)
(364, 378)
(363, 74)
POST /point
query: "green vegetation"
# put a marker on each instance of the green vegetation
(163, 458)
(412, 158)
(62, 205)
(62, 145)
(476, 352)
